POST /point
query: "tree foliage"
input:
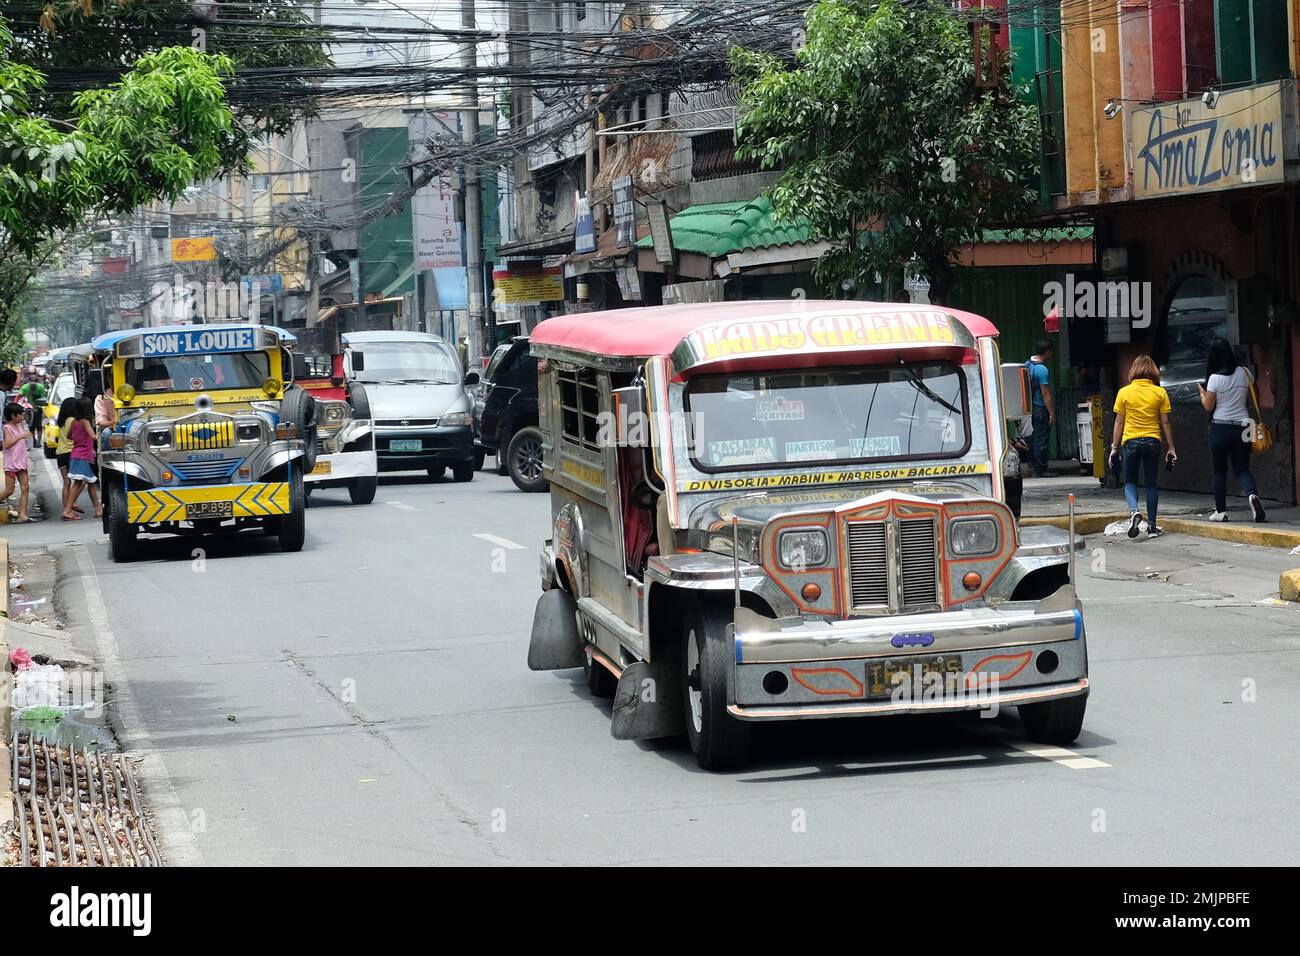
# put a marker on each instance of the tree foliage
(157, 129)
(882, 136)
(72, 43)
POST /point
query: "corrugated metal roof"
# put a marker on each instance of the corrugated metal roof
(718, 229)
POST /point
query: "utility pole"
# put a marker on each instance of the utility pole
(478, 331)
(314, 186)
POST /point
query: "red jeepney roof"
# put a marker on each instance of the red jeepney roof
(657, 330)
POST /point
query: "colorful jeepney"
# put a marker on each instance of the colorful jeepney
(786, 510)
(345, 434)
(208, 433)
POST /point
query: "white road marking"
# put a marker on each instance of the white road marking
(401, 505)
(501, 542)
(1066, 758)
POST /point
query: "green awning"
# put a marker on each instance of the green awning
(719, 229)
(1047, 234)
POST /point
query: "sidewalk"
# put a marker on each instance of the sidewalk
(1046, 502)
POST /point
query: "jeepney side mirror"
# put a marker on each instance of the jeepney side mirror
(632, 426)
(358, 360)
(300, 369)
(471, 378)
(1016, 400)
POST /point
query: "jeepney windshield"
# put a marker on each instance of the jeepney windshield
(400, 362)
(197, 373)
(812, 416)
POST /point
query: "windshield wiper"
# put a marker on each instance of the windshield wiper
(928, 392)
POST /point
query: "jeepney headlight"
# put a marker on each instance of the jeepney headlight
(249, 432)
(271, 387)
(973, 536)
(334, 413)
(803, 549)
(455, 419)
(158, 437)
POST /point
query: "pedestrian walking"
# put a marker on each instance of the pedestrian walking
(1226, 396)
(1044, 408)
(9, 384)
(1141, 416)
(16, 435)
(81, 467)
(63, 447)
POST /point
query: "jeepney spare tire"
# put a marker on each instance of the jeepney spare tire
(719, 740)
(299, 408)
(359, 401)
(362, 490)
(524, 459)
(1054, 721)
(292, 528)
(123, 542)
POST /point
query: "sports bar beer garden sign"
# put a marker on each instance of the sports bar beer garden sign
(1246, 138)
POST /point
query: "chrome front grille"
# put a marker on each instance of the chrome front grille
(920, 577)
(868, 564)
(893, 564)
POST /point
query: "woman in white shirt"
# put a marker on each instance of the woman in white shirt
(1226, 396)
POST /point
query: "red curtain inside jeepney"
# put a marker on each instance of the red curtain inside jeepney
(638, 510)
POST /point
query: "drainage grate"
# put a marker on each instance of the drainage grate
(78, 807)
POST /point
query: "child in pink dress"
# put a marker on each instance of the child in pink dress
(16, 436)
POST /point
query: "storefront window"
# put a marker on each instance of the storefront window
(1197, 316)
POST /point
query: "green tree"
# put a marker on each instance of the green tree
(272, 43)
(882, 136)
(144, 137)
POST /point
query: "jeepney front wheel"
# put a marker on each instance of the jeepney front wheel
(1054, 721)
(719, 740)
(123, 542)
(362, 490)
(292, 528)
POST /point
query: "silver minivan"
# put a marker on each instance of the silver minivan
(418, 399)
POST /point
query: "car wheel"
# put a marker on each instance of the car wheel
(463, 472)
(436, 472)
(719, 740)
(600, 681)
(1056, 722)
(479, 455)
(123, 540)
(524, 459)
(293, 526)
(362, 490)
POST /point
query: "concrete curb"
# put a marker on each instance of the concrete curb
(1237, 532)
(6, 694)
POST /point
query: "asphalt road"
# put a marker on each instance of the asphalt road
(367, 701)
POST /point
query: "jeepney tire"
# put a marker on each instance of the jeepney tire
(525, 449)
(292, 528)
(123, 540)
(299, 408)
(362, 490)
(600, 681)
(479, 456)
(721, 742)
(436, 472)
(1054, 721)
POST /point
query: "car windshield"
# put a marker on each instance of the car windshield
(196, 373)
(832, 415)
(408, 362)
(64, 387)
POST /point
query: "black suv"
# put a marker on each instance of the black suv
(505, 415)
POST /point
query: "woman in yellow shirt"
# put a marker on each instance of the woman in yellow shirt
(1141, 416)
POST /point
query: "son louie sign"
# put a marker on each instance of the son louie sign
(1187, 148)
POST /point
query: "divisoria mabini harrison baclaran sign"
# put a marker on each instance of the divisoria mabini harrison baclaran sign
(1240, 138)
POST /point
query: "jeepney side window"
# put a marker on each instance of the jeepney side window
(580, 408)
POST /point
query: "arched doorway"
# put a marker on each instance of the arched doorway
(1196, 315)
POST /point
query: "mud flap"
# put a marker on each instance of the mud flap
(555, 643)
(648, 702)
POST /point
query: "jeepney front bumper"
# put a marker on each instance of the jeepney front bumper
(1015, 653)
(343, 466)
(260, 499)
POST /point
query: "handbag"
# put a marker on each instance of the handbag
(1263, 439)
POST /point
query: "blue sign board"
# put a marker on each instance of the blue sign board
(199, 341)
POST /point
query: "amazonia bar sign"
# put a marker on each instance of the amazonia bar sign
(1246, 139)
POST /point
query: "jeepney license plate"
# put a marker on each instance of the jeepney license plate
(405, 444)
(322, 468)
(884, 676)
(209, 509)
